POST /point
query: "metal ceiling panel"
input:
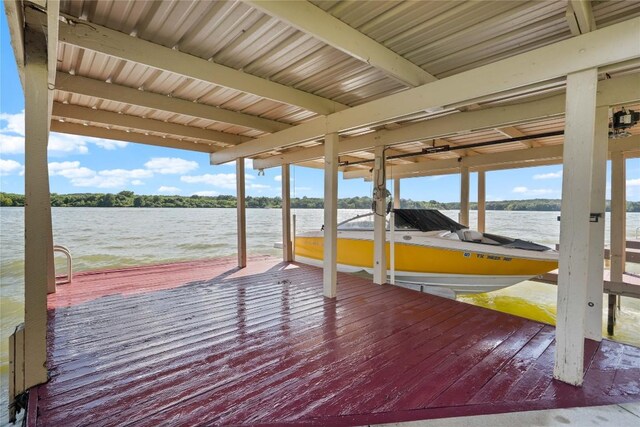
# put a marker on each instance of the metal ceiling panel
(442, 37)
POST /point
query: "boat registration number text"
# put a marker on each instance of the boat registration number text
(489, 257)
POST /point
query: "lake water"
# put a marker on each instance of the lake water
(118, 237)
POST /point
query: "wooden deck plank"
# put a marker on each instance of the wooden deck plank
(498, 386)
(302, 361)
(185, 344)
(292, 397)
(390, 375)
(204, 342)
(440, 372)
(251, 351)
(461, 391)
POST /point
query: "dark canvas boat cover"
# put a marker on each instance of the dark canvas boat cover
(508, 242)
(425, 220)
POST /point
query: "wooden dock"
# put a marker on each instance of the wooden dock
(204, 343)
(629, 287)
(632, 252)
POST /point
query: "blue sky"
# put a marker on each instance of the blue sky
(79, 164)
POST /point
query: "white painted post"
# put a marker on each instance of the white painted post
(578, 154)
(396, 193)
(595, 284)
(618, 229)
(464, 196)
(293, 239)
(379, 219)
(392, 248)
(242, 213)
(37, 214)
(481, 201)
(330, 271)
(286, 215)
(618, 215)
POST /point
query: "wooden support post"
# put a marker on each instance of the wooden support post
(464, 196)
(578, 155)
(330, 270)
(242, 213)
(287, 252)
(37, 214)
(482, 191)
(379, 219)
(595, 284)
(396, 193)
(618, 230)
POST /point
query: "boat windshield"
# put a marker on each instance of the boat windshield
(425, 220)
(405, 219)
(360, 222)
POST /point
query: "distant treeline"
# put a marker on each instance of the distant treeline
(128, 199)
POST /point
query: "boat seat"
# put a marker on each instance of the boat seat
(472, 236)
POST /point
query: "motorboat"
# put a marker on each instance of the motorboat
(432, 249)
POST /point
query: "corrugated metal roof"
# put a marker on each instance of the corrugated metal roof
(442, 37)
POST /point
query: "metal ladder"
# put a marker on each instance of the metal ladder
(69, 277)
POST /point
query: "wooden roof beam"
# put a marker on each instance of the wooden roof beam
(621, 90)
(43, 16)
(598, 48)
(512, 132)
(579, 16)
(430, 129)
(314, 21)
(53, 14)
(618, 91)
(127, 95)
(492, 161)
(119, 135)
(106, 118)
(97, 38)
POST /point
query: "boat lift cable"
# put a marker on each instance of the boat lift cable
(444, 148)
(379, 189)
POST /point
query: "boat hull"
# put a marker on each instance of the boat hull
(461, 267)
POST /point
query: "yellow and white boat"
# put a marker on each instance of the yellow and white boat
(432, 249)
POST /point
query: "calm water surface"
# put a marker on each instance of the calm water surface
(118, 237)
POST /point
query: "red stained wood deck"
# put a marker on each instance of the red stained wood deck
(204, 343)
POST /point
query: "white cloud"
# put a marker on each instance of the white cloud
(71, 170)
(80, 176)
(10, 167)
(127, 174)
(165, 189)
(137, 182)
(107, 144)
(550, 175)
(533, 192)
(277, 178)
(206, 193)
(11, 144)
(222, 180)
(258, 186)
(12, 138)
(170, 165)
(14, 123)
(633, 182)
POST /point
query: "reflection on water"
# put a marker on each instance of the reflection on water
(101, 238)
(537, 301)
